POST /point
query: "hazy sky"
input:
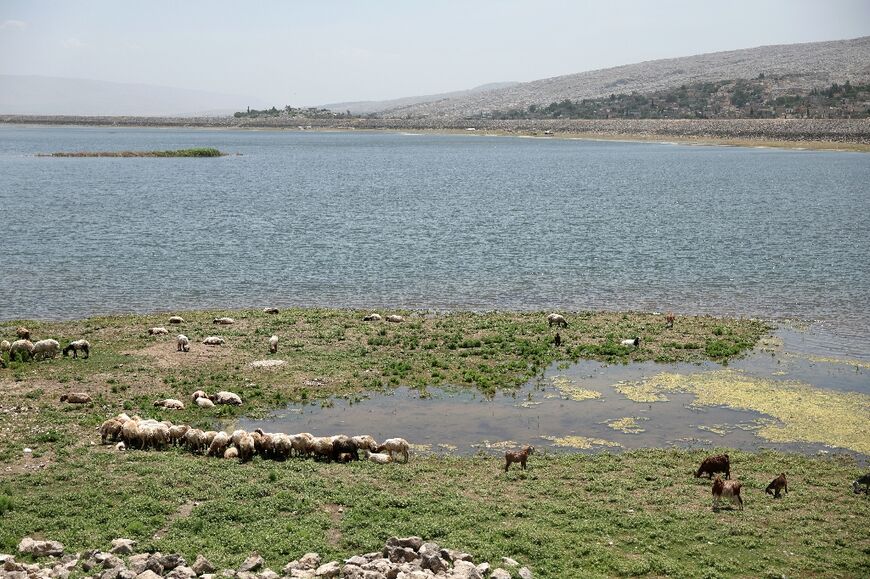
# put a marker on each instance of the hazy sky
(306, 53)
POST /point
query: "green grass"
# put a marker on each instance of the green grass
(638, 513)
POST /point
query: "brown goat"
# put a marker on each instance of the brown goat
(520, 456)
(727, 489)
(669, 320)
(22, 333)
(714, 464)
(776, 485)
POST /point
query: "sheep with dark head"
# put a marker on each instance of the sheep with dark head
(77, 346)
(558, 320)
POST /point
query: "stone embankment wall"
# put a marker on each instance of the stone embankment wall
(831, 130)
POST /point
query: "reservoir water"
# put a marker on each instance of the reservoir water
(367, 219)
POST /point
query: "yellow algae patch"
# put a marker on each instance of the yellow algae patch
(826, 360)
(641, 391)
(581, 442)
(720, 429)
(448, 447)
(802, 413)
(569, 389)
(500, 444)
(627, 425)
(420, 447)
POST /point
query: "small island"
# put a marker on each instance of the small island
(196, 152)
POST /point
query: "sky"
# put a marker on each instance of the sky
(326, 51)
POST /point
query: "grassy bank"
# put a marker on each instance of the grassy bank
(638, 513)
(197, 152)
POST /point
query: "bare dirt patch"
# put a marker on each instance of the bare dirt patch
(335, 512)
(166, 355)
(182, 513)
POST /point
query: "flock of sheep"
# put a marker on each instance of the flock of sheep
(24, 349)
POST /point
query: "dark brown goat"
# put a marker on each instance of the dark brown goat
(714, 464)
(520, 456)
(776, 485)
(342, 444)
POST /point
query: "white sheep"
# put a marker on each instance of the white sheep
(631, 342)
(223, 321)
(219, 444)
(378, 458)
(321, 446)
(225, 397)
(204, 402)
(4, 346)
(273, 344)
(270, 310)
(76, 398)
(77, 346)
(177, 433)
(395, 318)
(557, 319)
(213, 341)
(46, 349)
(176, 320)
(170, 404)
(364, 441)
(231, 452)
(373, 318)
(194, 440)
(110, 429)
(198, 394)
(158, 331)
(23, 348)
(183, 343)
(397, 445)
(237, 435)
(246, 447)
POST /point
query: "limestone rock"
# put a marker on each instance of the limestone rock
(500, 573)
(122, 546)
(357, 560)
(202, 566)
(328, 570)
(509, 562)
(182, 572)
(268, 574)
(465, 570)
(112, 562)
(252, 563)
(525, 573)
(172, 561)
(40, 548)
(148, 574)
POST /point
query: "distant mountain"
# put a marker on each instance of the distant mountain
(370, 107)
(42, 95)
(805, 66)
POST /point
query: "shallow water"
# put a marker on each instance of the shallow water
(429, 221)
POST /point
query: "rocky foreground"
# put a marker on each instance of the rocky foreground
(855, 131)
(401, 558)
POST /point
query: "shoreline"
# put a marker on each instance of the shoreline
(846, 135)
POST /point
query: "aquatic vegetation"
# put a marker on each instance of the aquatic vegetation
(195, 152)
(581, 442)
(628, 424)
(829, 360)
(569, 389)
(802, 413)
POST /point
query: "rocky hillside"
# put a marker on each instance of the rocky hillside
(370, 107)
(802, 66)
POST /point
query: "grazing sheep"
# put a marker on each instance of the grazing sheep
(397, 445)
(302, 443)
(224, 397)
(218, 444)
(46, 349)
(236, 436)
(22, 349)
(270, 310)
(231, 452)
(726, 489)
(365, 442)
(630, 342)
(342, 444)
(194, 440)
(321, 447)
(520, 456)
(862, 480)
(154, 434)
(669, 320)
(378, 458)
(259, 439)
(76, 398)
(110, 429)
(177, 433)
(198, 394)
(159, 331)
(395, 318)
(557, 319)
(246, 447)
(176, 320)
(714, 464)
(223, 321)
(204, 402)
(183, 343)
(77, 346)
(372, 318)
(131, 434)
(170, 404)
(776, 485)
(4, 346)
(213, 341)
(273, 344)
(22, 333)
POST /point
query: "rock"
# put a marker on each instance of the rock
(40, 548)
(228, 573)
(246, 575)
(4, 558)
(509, 562)
(153, 563)
(411, 543)
(148, 574)
(137, 562)
(11, 566)
(465, 570)
(434, 563)
(427, 549)
(268, 574)
(302, 574)
(122, 546)
(500, 573)
(207, 576)
(202, 566)
(357, 560)
(309, 561)
(111, 573)
(126, 574)
(172, 561)
(484, 569)
(112, 562)
(525, 573)
(252, 563)
(182, 572)
(328, 570)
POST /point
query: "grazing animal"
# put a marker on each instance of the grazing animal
(726, 489)
(231, 452)
(378, 458)
(160, 331)
(225, 397)
(76, 398)
(372, 318)
(395, 318)
(631, 342)
(170, 404)
(183, 343)
(557, 340)
(342, 444)
(110, 429)
(213, 341)
(776, 485)
(204, 402)
(176, 320)
(862, 480)
(198, 394)
(5, 345)
(223, 321)
(397, 445)
(365, 441)
(713, 464)
(219, 444)
(21, 348)
(273, 344)
(520, 456)
(22, 333)
(270, 310)
(46, 349)
(78, 345)
(557, 319)
(669, 320)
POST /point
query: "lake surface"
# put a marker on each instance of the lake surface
(433, 221)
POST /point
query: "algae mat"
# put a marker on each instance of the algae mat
(803, 413)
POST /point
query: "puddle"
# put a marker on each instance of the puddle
(581, 407)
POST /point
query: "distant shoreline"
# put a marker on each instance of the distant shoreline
(820, 134)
